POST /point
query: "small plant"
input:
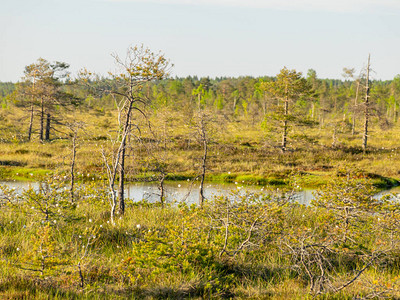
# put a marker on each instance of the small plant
(44, 256)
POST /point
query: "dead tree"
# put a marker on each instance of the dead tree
(74, 128)
(202, 125)
(366, 109)
(204, 140)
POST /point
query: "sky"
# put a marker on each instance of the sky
(205, 37)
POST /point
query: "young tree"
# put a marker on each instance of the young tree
(288, 87)
(140, 65)
(202, 132)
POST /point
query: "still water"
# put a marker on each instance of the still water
(176, 191)
(189, 191)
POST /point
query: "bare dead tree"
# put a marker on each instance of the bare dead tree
(204, 140)
(74, 127)
(202, 123)
(366, 108)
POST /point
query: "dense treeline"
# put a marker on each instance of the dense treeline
(332, 100)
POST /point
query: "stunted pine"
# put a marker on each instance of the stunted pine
(139, 66)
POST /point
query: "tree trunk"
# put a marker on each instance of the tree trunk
(204, 161)
(125, 131)
(71, 189)
(121, 195)
(30, 124)
(366, 113)
(161, 188)
(48, 125)
(285, 124)
(41, 119)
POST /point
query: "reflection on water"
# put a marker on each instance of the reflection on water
(177, 191)
(19, 186)
(189, 191)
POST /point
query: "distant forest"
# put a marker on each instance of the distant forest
(245, 96)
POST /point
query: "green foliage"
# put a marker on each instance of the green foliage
(241, 245)
(352, 201)
(44, 255)
(345, 245)
(181, 248)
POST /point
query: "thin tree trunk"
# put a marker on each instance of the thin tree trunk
(111, 174)
(365, 136)
(285, 125)
(48, 126)
(30, 124)
(162, 190)
(199, 99)
(121, 195)
(204, 161)
(41, 119)
(71, 189)
(126, 129)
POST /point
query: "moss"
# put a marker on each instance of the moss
(313, 180)
(385, 182)
(23, 174)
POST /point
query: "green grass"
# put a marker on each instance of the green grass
(175, 252)
(242, 151)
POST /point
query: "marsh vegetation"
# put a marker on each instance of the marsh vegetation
(82, 140)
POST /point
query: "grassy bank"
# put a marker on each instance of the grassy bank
(302, 179)
(270, 248)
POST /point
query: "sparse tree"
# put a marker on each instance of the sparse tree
(140, 65)
(42, 88)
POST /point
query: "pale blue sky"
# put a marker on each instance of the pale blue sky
(204, 37)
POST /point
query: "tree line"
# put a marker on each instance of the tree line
(46, 89)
